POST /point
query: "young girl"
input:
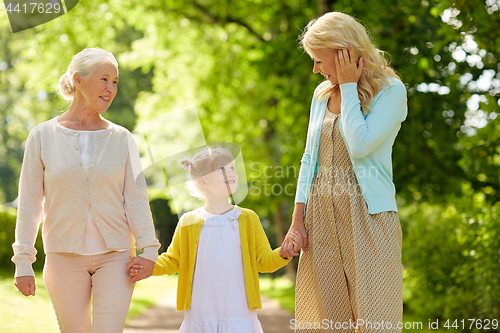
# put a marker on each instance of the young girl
(218, 251)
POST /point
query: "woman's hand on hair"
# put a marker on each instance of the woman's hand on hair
(347, 68)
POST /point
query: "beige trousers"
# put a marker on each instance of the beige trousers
(72, 279)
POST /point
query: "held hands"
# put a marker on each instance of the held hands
(134, 270)
(26, 285)
(140, 268)
(289, 248)
(295, 241)
(347, 69)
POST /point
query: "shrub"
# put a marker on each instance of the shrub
(452, 257)
(7, 235)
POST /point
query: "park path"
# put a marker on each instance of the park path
(163, 318)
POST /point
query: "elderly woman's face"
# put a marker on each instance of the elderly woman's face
(100, 87)
(324, 63)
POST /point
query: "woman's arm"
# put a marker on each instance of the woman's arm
(301, 196)
(136, 205)
(167, 262)
(29, 213)
(364, 135)
(306, 161)
(297, 226)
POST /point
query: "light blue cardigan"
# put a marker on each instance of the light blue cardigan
(369, 139)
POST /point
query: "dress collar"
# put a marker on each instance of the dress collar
(233, 215)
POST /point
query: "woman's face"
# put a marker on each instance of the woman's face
(100, 87)
(324, 63)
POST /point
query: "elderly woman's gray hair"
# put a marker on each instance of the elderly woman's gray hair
(82, 63)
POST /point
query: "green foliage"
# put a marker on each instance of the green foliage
(452, 253)
(481, 160)
(21, 314)
(241, 65)
(7, 228)
(165, 222)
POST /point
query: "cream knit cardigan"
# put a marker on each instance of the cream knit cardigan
(53, 181)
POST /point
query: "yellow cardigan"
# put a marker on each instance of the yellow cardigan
(256, 252)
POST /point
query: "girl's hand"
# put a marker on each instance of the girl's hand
(26, 285)
(294, 240)
(289, 244)
(146, 268)
(347, 69)
(134, 270)
(297, 241)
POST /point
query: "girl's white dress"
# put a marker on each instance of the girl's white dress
(218, 301)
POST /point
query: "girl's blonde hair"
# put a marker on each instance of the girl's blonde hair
(204, 162)
(82, 63)
(336, 30)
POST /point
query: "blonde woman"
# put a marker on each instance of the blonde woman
(350, 273)
(77, 171)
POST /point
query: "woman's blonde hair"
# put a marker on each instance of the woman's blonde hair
(82, 63)
(336, 30)
(203, 163)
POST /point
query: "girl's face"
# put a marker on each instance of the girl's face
(324, 63)
(100, 87)
(223, 181)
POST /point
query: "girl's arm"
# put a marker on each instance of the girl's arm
(168, 261)
(268, 260)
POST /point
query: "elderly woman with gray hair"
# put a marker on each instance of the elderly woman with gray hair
(77, 170)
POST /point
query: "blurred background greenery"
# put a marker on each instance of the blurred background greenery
(239, 63)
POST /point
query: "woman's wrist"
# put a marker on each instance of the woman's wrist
(298, 214)
(297, 220)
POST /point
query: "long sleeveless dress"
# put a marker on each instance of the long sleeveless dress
(351, 271)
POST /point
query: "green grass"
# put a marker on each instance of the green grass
(20, 314)
(282, 290)
(149, 292)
